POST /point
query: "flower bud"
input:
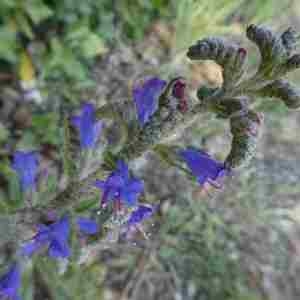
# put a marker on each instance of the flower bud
(289, 39)
(284, 91)
(292, 63)
(179, 92)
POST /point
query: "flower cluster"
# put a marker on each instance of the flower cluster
(152, 98)
(53, 236)
(120, 189)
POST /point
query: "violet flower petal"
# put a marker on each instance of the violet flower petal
(10, 283)
(203, 166)
(87, 226)
(142, 213)
(25, 163)
(146, 98)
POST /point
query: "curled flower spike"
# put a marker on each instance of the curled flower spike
(55, 236)
(120, 186)
(10, 283)
(89, 128)
(146, 96)
(245, 130)
(275, 50)
(87, 226)
(26, 166)
(204, 167)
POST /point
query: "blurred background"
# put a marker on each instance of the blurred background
(242, 243)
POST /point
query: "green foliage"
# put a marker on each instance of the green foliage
(195, 19)
(8, 46)
(14, 196)
(69, 165)
(202, 248)
(45, 127)
(48, 278)
(67, 35)
(258, 11)
(137, 15)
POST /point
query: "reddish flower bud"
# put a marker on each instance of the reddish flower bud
(242, 52)
(179, 93)
(179, 89)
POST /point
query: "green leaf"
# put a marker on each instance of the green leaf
(48, 189)
(63, 61)
(14, 190)
(24, 25)
(169, 155)
(4, 208)
(92, 46)
(15, 195)
(69, 164)
(8, 45)
(4, 133)
(37, 10)
(46, 127)
(87, 205)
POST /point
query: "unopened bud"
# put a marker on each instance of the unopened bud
(293, 63)
(179, 93)
(289, 39)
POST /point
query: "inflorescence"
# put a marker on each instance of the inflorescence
(160, 107)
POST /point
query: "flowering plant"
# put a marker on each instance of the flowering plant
(160, 107)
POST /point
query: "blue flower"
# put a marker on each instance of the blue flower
(55, 236)
(87, 226)
(204, 167)
(89, 128)
(140, 214)
(146, 98)
(10, 283)
(119, 185)
(26, 166)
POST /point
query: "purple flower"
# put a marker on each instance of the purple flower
(140, 214)
(26, 166)
(119, 185)
(146, 97)
(204, 167)
(87, 226)
(89, 128)
(10, 283)
(55, 236)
